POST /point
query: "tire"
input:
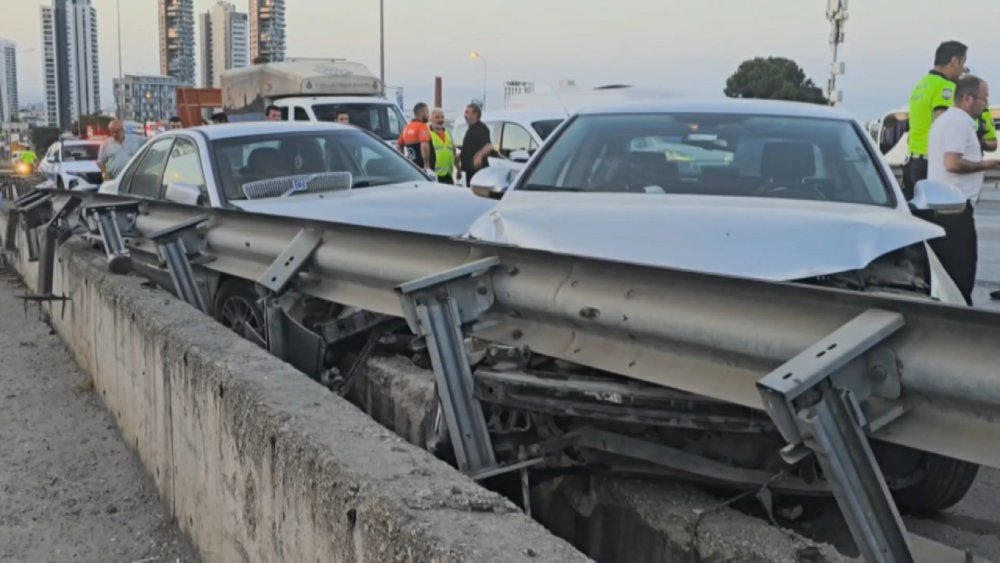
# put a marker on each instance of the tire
(944, 483)
(237, 308)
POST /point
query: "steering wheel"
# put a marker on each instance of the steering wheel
(789, 191)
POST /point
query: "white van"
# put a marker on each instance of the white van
(516, 135)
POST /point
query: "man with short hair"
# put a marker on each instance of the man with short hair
(343, 118)
(117, 150)
(444, 149)
(415, 140)
(956, 158)
(272, 113)
(476, 146)
(175, 123)
(930, 98)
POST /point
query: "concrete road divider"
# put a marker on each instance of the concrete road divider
(259, 463)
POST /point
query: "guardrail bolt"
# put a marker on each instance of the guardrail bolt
(879, 373)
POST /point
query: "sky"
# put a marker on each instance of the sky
(678, 45)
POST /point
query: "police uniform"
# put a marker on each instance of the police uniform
(935, 92)
(987, 129)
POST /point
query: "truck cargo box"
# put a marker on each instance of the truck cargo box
(250, 89)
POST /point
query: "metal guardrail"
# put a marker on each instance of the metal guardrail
(829, 366)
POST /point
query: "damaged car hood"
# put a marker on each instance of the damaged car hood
(764, 238)
(430, 208)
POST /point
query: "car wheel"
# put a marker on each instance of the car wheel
(237, 307)
(941, 482)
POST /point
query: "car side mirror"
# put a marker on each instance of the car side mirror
(491, 182)
(938, 197)
(185, 194)
(520, 156)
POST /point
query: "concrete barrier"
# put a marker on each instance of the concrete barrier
(254, 460)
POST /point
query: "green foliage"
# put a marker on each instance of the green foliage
(773, 78)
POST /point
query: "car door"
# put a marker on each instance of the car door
(49, 164)
(515, 138)
(144, 176)
(184, 166)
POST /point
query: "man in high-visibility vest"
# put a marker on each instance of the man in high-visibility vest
(930, 98)
(444, 149)
(987, 132)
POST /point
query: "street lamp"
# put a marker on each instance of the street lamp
(476, 56)
(381, 44)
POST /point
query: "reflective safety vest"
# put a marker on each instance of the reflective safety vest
(987, 129)
(444, 153)
(934, 92)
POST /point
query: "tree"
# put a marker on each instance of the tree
(773, 78)
(43, 137)
(95, 121)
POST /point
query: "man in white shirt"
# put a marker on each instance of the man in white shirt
(954, 157)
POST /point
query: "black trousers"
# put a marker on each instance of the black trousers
(958, 251)
(914, 170)
(446, 179)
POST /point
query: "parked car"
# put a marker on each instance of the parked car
(776, 191)
(310, 170)
(516, 135)
(72, 164)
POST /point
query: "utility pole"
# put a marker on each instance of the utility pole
(120, 95)
(381, 39)
(836, 13)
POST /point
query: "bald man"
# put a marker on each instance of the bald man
(118, 150)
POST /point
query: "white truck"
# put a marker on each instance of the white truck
(312, 90)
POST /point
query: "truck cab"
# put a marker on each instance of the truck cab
(378, 115)
(312, 90)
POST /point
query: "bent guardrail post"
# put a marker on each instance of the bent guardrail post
(437, 307)
(33, 211)
(818, 402)
(170, 244)
(286, 338)
(54, 233)
(119, 257)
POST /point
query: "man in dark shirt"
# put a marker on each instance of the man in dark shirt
(476, 145)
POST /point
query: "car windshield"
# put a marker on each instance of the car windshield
(545, 127)
(712, 154)
(72, 153)
(385, 120)
(371, 162)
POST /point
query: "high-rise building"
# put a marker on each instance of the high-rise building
(267, 30)
(224, 42)
(516, 88)
(70, 60)
(147, 98)
(8, 81)
(177, 40)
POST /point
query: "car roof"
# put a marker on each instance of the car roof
(252, 128)
(525, 116)
(724, 105)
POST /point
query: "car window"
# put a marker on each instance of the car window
(184, 167)
(371, 162)
(148, 170)
(726, 154)
(284, 114)
(382, 119)
(545, 127)
(300, 114)
(515, 138)
(73, 153)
